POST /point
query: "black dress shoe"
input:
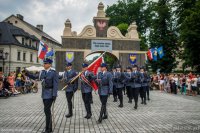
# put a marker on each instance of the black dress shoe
(145, 103)
(135, 107)
(99, 121)
(105, 117)
(89, 116)
(142, 102)
(86, 116)
(68, 115)
(121, 105)
(148, 99)
(129, 101)
(115, 100)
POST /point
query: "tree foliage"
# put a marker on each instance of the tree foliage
(190, 34)
(174, 24)
(123, 28)
(127, 12)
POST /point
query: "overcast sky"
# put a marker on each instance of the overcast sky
(53, 13)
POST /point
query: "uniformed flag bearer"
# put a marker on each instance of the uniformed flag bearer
(68, 76)
(49, 78)
(86, 89)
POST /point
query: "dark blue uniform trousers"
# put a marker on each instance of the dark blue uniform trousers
(47, 110)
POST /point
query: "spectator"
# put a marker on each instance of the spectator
(161, 83)
(11, 82)
(183, 84)
(188, 85)
(198, 84)
(23, 81)
(194, 85)
(4, 91)
(18, 83)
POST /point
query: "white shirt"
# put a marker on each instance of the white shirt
(85, 73)
(48, 69)
(194, 83)
(104, 72)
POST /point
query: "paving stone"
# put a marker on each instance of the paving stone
(164, 113)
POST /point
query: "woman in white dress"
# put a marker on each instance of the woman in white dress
(188, 85)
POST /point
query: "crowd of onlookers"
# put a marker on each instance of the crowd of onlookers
(16, 83)
(186, 84)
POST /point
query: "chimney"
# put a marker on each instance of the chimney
(20, 17)
(40, 27)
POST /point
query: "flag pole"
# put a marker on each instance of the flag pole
(82, 71)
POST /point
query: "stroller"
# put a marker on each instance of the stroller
(34, 86)
(5, 93)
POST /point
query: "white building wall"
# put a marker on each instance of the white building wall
(14, 63)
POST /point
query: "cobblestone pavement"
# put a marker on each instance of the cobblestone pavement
(164, 113)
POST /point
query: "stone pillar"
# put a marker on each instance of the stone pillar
(132, 31)
(101, 21)
(67, 30)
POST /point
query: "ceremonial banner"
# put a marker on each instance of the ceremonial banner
(49, 53)
(132, 58)
(155, 54)
(94, 68)
(149, 54)
(69, 56)
(96, 64)
(43, 48)
(160, 51)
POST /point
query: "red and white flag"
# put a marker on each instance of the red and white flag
(150, 54)
(94, 68)
(95, 65)
(43, 49)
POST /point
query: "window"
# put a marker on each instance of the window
(36, 45)
(37, 60)
(24, 56)
(15, 22)
(31, 57)
(30, 42)
(18, 56)
(22, 40)
(1, 69)
(1, 55)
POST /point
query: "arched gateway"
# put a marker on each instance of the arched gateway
(99, 37)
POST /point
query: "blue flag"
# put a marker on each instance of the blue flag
(160, 51)
(50, 53)
(154, 53)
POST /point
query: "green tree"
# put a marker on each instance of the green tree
(190, 36)
(123, 28)
(187, 12)
(126, 12)
(162, 33)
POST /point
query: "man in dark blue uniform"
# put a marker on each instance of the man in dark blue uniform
(127, 82)
(118, 79)
(114, 84)
(144, 84)
(49, 79)
(86, 88)
(104, 80)
(135, 84)
(68, 76)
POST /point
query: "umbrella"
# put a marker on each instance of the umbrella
(34, 68)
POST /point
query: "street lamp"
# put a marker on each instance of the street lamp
(3, 56)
